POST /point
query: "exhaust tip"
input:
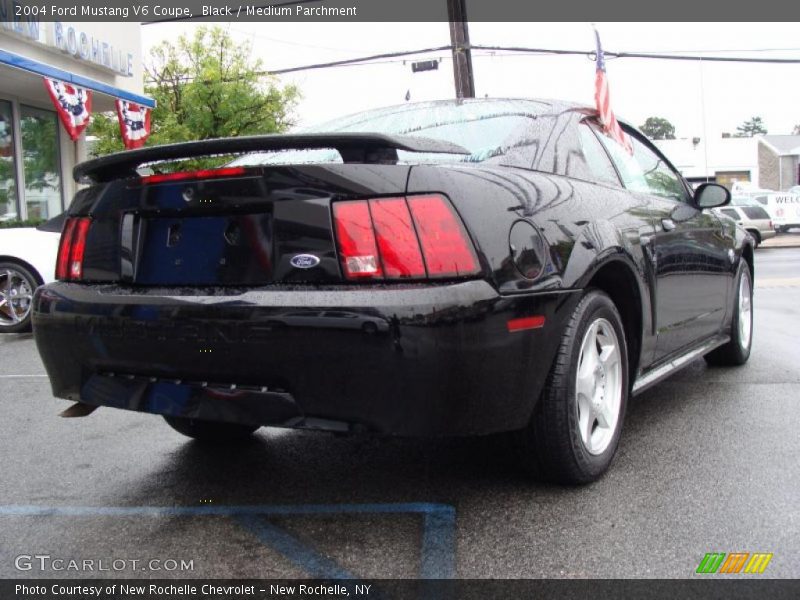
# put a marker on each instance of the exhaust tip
(79, 409)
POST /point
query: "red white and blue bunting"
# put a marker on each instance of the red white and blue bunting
(134, 123)
(73, 104)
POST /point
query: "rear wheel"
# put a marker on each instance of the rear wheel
(737, 350)
(754, 233)
(574, 432)
(210, 431)
(16, 297)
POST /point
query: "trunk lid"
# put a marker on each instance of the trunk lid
(263, 225)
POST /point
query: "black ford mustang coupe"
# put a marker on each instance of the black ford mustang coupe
(445, 268)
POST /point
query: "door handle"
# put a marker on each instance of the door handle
(667, 224)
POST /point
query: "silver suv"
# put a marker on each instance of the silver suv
(752, 218)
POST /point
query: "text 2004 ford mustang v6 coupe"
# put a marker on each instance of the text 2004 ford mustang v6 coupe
(447, 268)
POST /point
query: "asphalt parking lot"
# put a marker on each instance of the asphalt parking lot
(707, 463)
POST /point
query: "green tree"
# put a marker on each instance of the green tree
(40, 152)
(754, 126)
(657, 128)
(206, 86)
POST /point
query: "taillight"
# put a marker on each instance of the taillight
(71, 248)
(187, 175)
(447, 249)
(64, 246)
(397, 240)
(357, 246)
(402, 238)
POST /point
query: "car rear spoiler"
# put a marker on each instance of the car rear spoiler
(354, 147)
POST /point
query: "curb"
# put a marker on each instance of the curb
(790, 241)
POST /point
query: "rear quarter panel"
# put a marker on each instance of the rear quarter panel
(584, 226)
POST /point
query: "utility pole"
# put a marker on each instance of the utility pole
(462, 55)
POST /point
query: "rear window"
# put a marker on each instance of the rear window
(492, 130)
(755, 212)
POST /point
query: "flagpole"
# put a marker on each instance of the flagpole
(602, 98)
(703, 119)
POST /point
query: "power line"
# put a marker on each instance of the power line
(375, 59)
(353, 61)
(730, 50)
(291, 43)
(524, 50)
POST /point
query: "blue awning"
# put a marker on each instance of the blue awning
(26, 64)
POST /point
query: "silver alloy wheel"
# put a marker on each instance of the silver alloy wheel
(745, 310)
(598, 386)
(16, 295)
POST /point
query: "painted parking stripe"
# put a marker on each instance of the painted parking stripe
(22, 510)
(437, 555)
(299, 553)
(438, 542)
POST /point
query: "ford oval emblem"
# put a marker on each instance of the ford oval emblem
(304, 261)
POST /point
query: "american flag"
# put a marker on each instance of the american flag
(603, 100)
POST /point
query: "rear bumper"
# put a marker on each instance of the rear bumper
(416, 360)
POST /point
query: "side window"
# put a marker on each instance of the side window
(631, 172)
(645, 171)
(596, 158)
(731, 213)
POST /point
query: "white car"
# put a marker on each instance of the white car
(783, 207)
(27, 260)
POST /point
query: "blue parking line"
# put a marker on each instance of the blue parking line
(437, 560)
(23, 510)
(438, 542)
(276, 538)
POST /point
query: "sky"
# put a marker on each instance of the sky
(698, 99)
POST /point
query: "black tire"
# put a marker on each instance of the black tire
(551, 447)
(370, 328)
(32, 280)
(213, 432)
(736, 352)
(756, 237)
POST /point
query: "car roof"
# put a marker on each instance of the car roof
(550, 106)
(554, 106)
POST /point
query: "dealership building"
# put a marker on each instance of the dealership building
(36, 153)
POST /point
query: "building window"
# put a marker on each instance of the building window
(41, 162)
(728, 178)
(8, 173)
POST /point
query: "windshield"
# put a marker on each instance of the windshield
(489, 129)
(744, 201)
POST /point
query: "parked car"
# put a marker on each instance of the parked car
(753, 218)
(533, 273)
(783, 207)
(27, 260)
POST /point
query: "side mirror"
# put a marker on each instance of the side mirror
(711, 195)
